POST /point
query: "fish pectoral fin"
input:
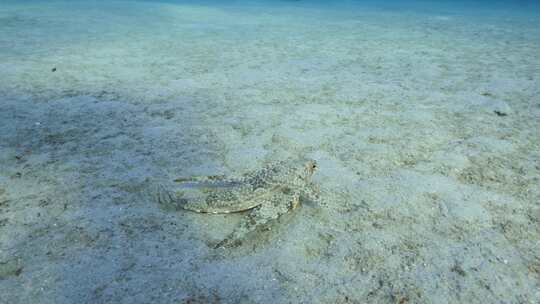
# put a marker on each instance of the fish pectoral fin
(203, 206)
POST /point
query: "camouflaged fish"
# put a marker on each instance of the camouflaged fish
(269, 193)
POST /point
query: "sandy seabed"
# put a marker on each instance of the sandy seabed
(424, 121)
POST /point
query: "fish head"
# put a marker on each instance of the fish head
(295, 172)
(304, 169)
(310, 167)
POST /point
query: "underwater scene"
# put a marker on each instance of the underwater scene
(269, 151)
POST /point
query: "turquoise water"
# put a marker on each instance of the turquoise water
(421, 115)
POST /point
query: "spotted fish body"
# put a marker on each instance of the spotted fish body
(267, 193)
(216, 201)
(219, 195)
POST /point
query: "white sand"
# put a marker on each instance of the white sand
(424, 120)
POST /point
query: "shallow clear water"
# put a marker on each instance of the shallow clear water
(421, 115)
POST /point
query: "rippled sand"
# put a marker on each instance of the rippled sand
(424, 120)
